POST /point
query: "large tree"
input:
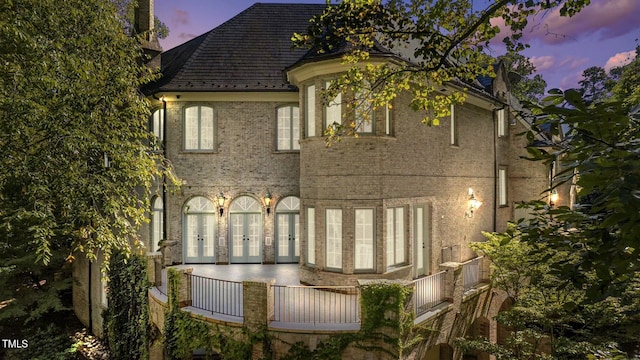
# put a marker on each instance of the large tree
(445, 42)
(75, 165)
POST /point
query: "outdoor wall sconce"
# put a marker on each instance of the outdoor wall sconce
(267, 202)
(553, 198)
(473, 205)
(221, 199)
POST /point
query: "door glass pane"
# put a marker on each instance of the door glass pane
(283, 235)
(207, 235)
(419, 238)
(237, 234)
(254, 234)
(296, 234)
(192, 235)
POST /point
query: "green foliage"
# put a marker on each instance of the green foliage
(73, 139)
(523, 86)
(127, 324)
(183, 333)
(434, 43)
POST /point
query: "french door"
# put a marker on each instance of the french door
(245, 238)
(199, 238)
(287, 235)
(421, 240)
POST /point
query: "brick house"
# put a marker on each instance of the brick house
(240, 115)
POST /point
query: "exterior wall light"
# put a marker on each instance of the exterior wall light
(267, 202)
(474, 204)
(221, 200)
(553, 198)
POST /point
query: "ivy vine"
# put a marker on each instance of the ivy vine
(127, 325)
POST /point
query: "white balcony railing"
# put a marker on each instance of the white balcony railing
(316, 304)
(428, 292)
(218, 296)
(471, 273)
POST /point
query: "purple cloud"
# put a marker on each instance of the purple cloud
(180, 17)
(620, 59)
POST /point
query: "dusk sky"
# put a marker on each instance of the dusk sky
(604, 34)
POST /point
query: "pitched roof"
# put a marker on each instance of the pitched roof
(247, 53)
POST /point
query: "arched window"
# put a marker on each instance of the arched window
(157, 223)
(199, 129)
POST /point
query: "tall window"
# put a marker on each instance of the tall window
(364, 239)
(333, 236)
(395, 236)
(454, 126)
(363, 114)
(501, 118)
(310, 108)
(333, 110)
(157, 226)
(288, 128)
(502, 186)
(311, 236)
(387, 119)
(157, 124)
(198, 128)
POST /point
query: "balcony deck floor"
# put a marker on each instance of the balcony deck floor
(284, 274)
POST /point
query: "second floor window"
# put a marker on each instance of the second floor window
(288, 128)
(157, 124)
(199, 128)
(333, 110)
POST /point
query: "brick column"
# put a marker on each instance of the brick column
(453, 287)
(154, 268)
(258, 303)
(184, 289)
(258, 308)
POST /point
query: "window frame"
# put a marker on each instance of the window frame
(338, 246)
(372, 239)
(359, 116)
(156, 223)
(156, 124)
(503, 183)
(310, 220)
(199, 129)
(393, 230)
(294, 136)
(453, 140)
(310, 110)
(336, 105)
(501, 119)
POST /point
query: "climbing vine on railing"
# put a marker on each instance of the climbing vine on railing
(127, 325)
(386, 327)
(184, 333)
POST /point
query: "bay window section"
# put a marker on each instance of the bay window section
(396, 249)
(363, 114)
(198, 128)
(364, 246)
(288, 131)
(333, 241)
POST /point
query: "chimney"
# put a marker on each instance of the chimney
(144, 19)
